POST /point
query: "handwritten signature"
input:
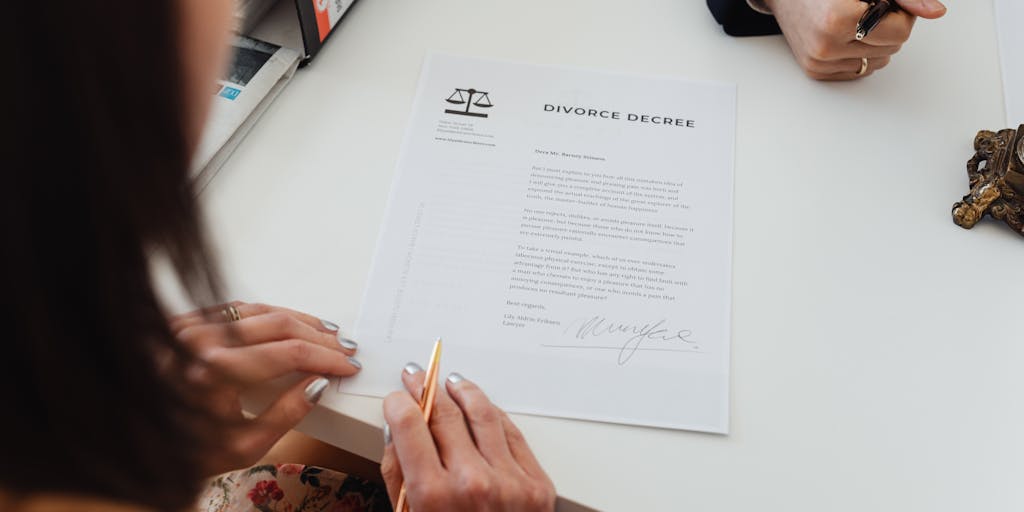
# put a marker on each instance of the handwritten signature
(638, 333)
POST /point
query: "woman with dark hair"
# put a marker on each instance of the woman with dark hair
(114, 406)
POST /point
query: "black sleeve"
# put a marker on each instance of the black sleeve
(738, 19)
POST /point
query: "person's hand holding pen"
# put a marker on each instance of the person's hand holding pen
(823, 34)
(470, 457)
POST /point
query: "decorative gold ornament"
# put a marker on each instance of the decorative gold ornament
(996, 174)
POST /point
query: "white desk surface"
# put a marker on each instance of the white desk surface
(877, 350)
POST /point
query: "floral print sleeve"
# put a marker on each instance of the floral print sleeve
(292, 488)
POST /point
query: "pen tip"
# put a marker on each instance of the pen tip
(860, 35)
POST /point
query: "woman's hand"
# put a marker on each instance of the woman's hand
(822, 33)
(470, 458)
(266, 343)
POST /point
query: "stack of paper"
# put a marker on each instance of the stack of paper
(257, 74)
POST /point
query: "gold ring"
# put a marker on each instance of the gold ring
(231, 314)
(863, 66)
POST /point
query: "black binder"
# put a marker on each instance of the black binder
(318, 19)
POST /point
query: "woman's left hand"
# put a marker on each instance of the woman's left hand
(267, 342)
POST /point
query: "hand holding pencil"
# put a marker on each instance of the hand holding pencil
(467, 456)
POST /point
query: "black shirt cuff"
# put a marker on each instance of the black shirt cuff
(739, 19)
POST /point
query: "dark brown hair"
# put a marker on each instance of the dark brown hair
(95, 186)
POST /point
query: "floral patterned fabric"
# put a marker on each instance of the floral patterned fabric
(292, 488)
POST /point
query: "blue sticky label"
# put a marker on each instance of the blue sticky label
(230, 93)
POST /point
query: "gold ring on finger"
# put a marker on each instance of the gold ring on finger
(231, 314)
(863, 66)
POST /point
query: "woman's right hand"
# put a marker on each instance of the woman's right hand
(821, 34)
(470, 458)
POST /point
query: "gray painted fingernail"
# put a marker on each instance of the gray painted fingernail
(387, 434)
(456, 378)
(412, 368)
(329, 325)
(315, 390)
(355, 362)
(346, 343)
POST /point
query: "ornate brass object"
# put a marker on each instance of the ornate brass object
(996, 175)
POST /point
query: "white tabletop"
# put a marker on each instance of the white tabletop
(877, 348)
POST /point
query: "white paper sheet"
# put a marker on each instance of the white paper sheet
(1009, 16)
(576, 264)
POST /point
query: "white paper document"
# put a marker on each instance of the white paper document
(1009, 15)
(568, 234)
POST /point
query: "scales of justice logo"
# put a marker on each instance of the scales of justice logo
(466, 97)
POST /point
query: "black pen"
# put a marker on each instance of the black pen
(874, 16)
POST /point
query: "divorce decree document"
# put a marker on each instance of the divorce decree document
(568, 234)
